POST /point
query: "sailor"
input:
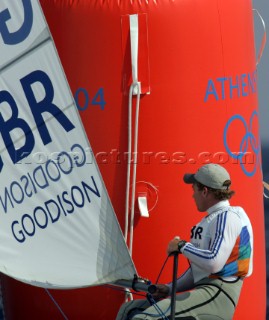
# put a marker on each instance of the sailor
(220, 255)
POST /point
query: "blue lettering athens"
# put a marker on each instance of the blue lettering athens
(13, 38)
(231, 87)
(37, 108)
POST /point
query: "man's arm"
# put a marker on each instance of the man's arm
(224, 233)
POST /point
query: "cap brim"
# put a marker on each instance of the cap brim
(189, 178)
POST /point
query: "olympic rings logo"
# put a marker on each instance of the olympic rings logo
(248, 140)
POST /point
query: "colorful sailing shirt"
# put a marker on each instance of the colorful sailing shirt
(221, 244)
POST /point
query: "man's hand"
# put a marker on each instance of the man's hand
(173, 245)
(162, 291)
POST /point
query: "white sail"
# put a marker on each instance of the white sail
(57, 226)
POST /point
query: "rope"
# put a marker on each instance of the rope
(134, 34)
(137, 86)
(135, 89)
(263, 39)
(161, 271)
(266, 187)
(56, 304)
(127, 197)
(134, 86)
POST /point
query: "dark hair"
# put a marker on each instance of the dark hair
(219, 194)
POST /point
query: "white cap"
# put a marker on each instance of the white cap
(211, 175)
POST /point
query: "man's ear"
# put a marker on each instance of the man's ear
(205, 192)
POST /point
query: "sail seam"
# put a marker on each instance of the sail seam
(40, 44)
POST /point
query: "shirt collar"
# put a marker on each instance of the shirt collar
(218, 206)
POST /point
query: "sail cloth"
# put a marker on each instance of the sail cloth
(57, 225)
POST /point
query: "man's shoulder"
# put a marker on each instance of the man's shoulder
(237, 210)
(240, 213)
(229, 212)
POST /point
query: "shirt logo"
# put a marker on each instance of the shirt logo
(196, 232)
